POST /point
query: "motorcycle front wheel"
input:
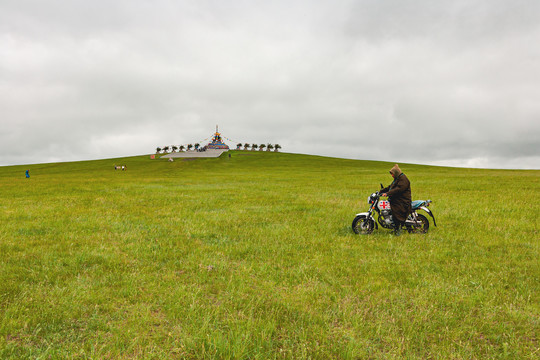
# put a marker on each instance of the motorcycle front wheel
(362, 225)
(421, 228)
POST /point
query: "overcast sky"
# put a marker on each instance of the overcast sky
(432, 82)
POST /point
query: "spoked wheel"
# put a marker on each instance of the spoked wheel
(362, 225)
(421, 227)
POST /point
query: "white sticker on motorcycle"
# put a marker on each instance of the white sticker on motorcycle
(385, 205)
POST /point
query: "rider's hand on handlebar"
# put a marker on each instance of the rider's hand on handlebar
(384, 194)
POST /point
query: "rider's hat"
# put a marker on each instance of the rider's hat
(395, 170)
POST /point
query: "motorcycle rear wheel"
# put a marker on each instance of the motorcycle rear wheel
(363, 226)
(421, 228)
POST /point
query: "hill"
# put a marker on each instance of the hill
(253, 257)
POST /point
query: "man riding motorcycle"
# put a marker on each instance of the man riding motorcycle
(399, 195)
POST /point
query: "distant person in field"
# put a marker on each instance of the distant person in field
(27, 174)
(399, 195)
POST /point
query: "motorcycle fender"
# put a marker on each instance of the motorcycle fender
(364, 213)
(430, 214)
(371, 217)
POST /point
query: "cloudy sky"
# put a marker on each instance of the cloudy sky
(432, 82)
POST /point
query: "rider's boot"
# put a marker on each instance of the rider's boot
(397, 229)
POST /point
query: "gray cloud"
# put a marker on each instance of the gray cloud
(451, 83)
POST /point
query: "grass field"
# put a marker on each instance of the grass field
(253, 257)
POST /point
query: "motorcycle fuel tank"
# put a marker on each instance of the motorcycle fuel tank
(383, 205)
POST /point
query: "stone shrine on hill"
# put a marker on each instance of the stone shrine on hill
(217, 142)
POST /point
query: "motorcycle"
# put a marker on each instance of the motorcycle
(365, 223)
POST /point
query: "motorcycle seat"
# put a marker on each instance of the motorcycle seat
(417, 203)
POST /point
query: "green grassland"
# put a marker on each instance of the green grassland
(253, 257)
